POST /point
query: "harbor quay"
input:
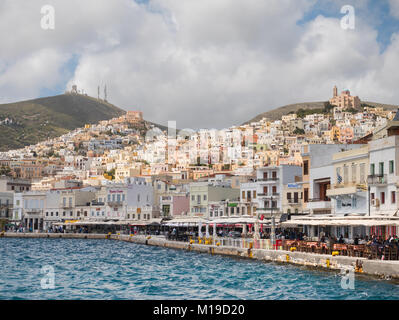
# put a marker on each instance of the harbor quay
(383, 269)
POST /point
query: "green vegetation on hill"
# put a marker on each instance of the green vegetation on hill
(39, 119)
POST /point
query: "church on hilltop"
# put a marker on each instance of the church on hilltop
(345, 100)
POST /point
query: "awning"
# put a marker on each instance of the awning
(341, 222)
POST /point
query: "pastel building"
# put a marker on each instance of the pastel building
(345, 100)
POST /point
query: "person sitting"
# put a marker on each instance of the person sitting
(341, 239)
(356, 241)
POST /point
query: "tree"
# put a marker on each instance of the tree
(299, 131)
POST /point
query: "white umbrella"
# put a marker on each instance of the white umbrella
(256, 231)
(199, 229)
(244, 228)
(207, 230)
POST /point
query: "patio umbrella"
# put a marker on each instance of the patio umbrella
(199, 229)
(256, 231)
(207, 230)
(244, 228)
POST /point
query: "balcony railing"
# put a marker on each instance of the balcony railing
(293, 201)
(377, 179)
(274, 194)
(269, 179)
(268, 209)
(319, 199)
(115, 203)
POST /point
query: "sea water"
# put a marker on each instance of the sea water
(106, 269)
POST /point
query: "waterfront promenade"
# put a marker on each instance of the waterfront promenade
(380, 268)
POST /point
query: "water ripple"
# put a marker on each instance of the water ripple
(103, 269)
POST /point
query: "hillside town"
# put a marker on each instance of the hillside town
(317, 172)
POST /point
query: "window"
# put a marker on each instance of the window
(372, 169)
(382, 197)
(265, 175)
(393, 197)
(339, 203)
(288, 195)
(391, 167)
(354, 202)
(295, 197)
(265, 190)
(254, 194)
(274, 174)
(381, 165)
(305, 167)
(362, 173)
(274, 189)
(243, 194)
(192, 198)
(249, 195)
(306, 195)
(346, 175)
(204, 197)
(354, 173)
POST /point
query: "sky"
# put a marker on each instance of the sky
(203, 64)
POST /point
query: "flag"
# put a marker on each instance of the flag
(339, 178)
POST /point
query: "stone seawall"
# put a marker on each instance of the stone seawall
(379, 268)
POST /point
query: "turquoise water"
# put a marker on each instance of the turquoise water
(104, 269)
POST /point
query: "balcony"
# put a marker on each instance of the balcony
(97, 203)
(266, 195)
(33, 211)
(294, 202)
(377, 180)
(268, 179)
(317, 203)
(115, 203)
(268, 209)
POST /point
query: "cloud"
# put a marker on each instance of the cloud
(202, 63)
(394, 8)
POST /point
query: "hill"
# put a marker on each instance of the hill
(32, 121)
(276, 114)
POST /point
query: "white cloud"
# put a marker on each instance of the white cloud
(203, 63)
(394, 8)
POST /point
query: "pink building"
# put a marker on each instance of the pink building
(175, 204)
(345, 100)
